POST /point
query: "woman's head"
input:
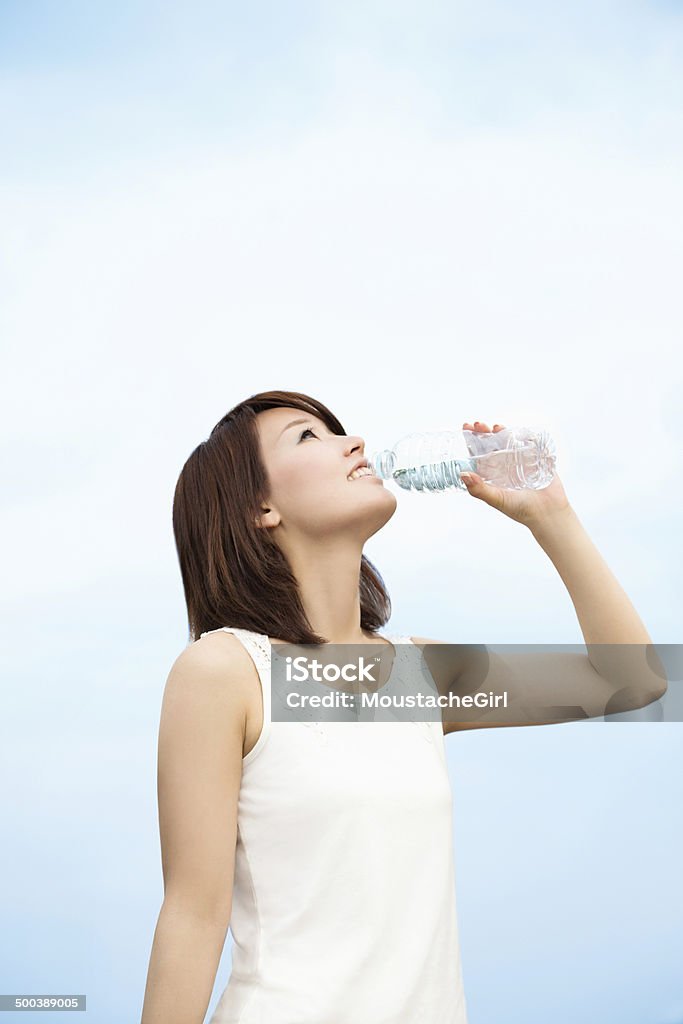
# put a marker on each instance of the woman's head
(310, 498)
(256, 497)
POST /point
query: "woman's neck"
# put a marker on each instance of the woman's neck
(328, 581)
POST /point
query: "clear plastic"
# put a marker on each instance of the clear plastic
(513, 458)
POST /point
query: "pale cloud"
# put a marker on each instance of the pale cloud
(409, 280)
(392, 248)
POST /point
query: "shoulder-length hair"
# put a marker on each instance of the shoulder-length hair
(233, 572)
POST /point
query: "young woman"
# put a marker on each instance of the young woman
(328, 850)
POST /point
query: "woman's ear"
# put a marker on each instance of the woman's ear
(269, 517)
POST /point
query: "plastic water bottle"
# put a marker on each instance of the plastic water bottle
(513, 458)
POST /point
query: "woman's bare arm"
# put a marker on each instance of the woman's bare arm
(620, 670)
(201, 740)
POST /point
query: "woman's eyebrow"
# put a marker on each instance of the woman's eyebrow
(292, 424)
(307, 419)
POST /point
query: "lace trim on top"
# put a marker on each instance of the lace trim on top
(258, 646)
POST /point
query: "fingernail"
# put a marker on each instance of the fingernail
(467, 477)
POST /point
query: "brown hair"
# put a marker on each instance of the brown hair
(233, 572)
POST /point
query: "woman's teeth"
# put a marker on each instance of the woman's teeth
(363, 471)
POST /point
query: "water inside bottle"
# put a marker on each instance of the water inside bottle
(435, 477)
(513, 469)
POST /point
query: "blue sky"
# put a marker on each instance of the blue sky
(421, 214)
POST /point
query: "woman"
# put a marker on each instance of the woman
(327, 848)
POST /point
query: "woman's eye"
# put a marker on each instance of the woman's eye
(306, 431)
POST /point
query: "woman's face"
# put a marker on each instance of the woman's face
(310, 492)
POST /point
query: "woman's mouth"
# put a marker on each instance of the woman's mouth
(362, 471)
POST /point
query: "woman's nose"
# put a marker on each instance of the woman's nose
(353, 442)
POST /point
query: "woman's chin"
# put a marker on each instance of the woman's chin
(382, 513)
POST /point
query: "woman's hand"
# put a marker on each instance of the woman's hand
(529, 507)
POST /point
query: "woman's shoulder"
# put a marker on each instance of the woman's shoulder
(215, 656)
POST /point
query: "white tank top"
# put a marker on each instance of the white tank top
(343, 908)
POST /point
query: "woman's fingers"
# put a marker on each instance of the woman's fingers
(483, 427)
